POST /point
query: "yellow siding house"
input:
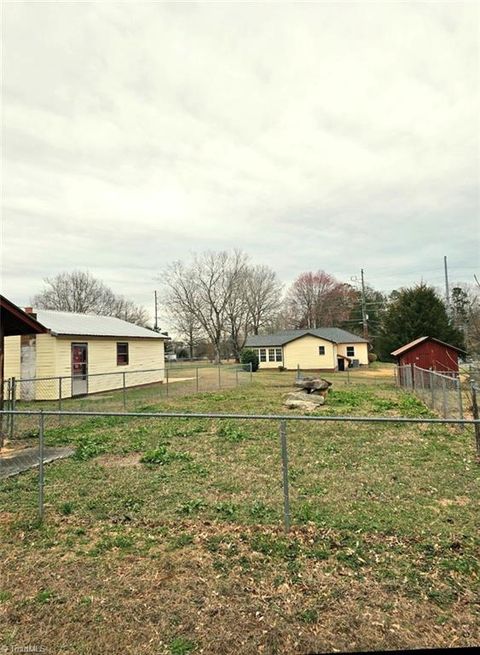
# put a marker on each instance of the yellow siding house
(327, 349)
(82, 354)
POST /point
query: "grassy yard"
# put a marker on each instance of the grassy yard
(166, 536)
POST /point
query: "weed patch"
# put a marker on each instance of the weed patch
(161, 456)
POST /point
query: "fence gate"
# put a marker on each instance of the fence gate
(79, 369)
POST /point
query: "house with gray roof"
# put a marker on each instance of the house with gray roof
(326, 349)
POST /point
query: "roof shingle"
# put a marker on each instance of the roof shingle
(333, 334)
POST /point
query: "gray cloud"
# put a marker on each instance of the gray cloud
(310, 135)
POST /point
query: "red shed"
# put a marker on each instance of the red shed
(429, 353)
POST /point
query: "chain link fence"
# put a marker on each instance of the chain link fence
(355, 376)
(235, 424)
(115, 391)
(441, 392)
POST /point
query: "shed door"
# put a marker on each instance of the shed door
(79, 369)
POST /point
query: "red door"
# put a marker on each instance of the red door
(79, 369)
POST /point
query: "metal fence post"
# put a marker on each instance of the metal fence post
(196, 379)
(9, 417)
(432, 389)
(476, 414)
(59, 398)
(444, 391)
(460, 400)
(41, 427)
(251, 371)
(60, 394)
(124, 390)
(166, 374)
(286, 498)
(13, 403)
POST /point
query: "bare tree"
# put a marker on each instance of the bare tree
(465, 313)
(80, 292)
(238, 316)
(263, 297)
(129, 311)
(317, 300)
(205, 292)
(186, 325)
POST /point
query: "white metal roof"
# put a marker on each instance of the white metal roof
(92, 325)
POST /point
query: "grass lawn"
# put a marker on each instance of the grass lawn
(166, 536)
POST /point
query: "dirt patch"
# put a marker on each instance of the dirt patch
(460, 501)
(119, 461)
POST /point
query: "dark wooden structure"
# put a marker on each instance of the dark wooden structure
(13, 321)
(429, 353)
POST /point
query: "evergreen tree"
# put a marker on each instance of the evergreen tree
(413, 313)
(375, 303)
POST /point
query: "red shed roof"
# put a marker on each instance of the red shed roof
(412, 344)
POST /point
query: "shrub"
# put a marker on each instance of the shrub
(372, 357)
(250, 357)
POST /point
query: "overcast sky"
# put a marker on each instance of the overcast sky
(327, 136)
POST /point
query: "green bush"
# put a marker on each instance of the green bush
(372, 357)
(250, 357)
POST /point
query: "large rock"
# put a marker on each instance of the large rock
(304, 401)
(308, 397)
(313, 385)
(304, 405)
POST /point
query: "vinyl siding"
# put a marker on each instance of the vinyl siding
(12, 366)
(361, 351)
(53, 359)
(102, 358)
(303, 352)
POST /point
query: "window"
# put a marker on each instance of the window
(278, 354)
(263, 355)
(321, 350)
(350, 351)
(122, 354)
(271, 354)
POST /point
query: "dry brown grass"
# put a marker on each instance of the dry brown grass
(221, 595)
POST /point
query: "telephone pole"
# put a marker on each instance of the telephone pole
(364, 309)
(447, 289)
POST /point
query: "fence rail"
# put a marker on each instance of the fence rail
(116, 391)
(282, 420)
(350, 376)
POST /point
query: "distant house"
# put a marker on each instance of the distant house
(428, 353)
(78, 347)
(327, 349)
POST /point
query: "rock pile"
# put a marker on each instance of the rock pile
(311, 393)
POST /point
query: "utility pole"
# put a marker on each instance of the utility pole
(447, 290)
(364, 309)
(155, 327)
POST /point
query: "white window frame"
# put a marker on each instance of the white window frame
(271, 354)
(262, 354)
(350, 354)
(320, 348)
(278, 355)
